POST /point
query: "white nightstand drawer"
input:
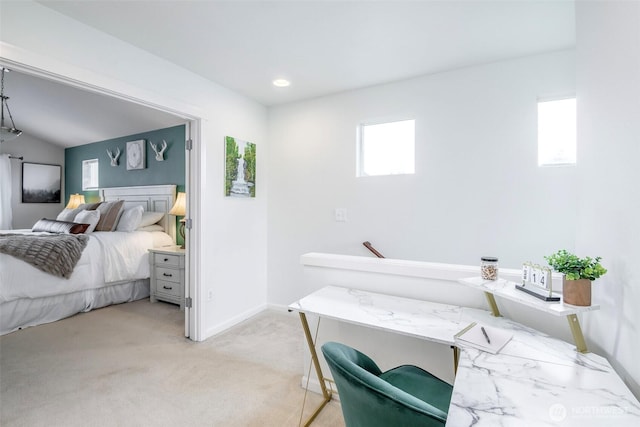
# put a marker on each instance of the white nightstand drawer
(166, 259)
(168, 274)
(170, 288)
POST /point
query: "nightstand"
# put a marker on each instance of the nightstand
(167, 275)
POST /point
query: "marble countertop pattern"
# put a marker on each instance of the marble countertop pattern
(535, 380)
(420, 319)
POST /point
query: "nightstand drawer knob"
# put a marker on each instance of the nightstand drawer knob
(167, 275)
(166, 259)
(167, 287)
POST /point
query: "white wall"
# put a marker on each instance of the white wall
(33, 150)
(608, 83)
(232, 233)
(477, 189)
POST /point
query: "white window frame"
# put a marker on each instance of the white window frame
(360, 146)
(90, 175)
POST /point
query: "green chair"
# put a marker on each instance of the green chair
(403, 396)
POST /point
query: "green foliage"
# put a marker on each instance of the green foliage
(231, 167)
(250, 162)
(576, 268)
(250, 167)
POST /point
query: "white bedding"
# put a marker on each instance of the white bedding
(109, 258)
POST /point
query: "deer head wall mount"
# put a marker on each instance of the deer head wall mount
(114, 157)
(159, 152)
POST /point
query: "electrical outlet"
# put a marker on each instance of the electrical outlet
(210, 295)
(341, 215)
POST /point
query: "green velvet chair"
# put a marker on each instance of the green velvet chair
(403, 396)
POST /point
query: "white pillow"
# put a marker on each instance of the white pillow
(130, 219)
(88, 217)
(68, 214)
(150, 218)
(152, 227)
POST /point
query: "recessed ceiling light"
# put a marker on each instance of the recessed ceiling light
(281, 82)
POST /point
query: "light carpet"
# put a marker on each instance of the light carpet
(130, 365)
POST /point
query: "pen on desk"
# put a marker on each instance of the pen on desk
(485, 334)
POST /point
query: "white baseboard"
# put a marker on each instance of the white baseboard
(221, 327)
(278, 307)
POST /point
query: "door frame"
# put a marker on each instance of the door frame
(193, 131)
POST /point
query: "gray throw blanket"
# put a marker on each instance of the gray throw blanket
(55, 254)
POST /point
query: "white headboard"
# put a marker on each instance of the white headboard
(153, 198)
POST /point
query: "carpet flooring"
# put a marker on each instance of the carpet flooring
(130, 365)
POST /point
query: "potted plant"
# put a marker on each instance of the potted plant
(578, 274)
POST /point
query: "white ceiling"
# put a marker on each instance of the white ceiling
(322, 47)
(68, 116)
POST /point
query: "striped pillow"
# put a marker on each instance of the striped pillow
(61, 227)
(109, 215)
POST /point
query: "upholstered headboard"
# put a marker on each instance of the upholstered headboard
(154, 198)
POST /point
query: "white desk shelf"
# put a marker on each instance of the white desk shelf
(506, 289)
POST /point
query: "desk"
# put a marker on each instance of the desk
(420, 319)
(535, 380)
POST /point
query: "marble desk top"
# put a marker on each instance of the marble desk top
(421, 319)
(506, 289)
(535, 380)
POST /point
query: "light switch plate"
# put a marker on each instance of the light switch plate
(341, 215)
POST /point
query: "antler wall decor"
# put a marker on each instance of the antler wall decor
(114, 157)
(159, 153)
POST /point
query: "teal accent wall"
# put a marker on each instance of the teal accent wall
(169, 171)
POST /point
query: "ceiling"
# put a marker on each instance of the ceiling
(322, 47)
(68, 116)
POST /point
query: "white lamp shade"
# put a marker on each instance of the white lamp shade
(75, 200)
(180, 206)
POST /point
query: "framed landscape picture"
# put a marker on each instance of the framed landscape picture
(41, 183)
(240, 168)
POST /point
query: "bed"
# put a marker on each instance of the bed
(113, 267)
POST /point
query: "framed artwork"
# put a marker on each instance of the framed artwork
(41, 183)
(136, 155)
(240, 168)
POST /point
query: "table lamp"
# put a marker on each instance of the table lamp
(75, 200)
(180, 209)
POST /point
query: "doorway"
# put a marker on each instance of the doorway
(192, 176)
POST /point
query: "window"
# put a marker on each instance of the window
(557, 132)
(386, 148)
(90, 175)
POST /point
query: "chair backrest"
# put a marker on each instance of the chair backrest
(369, 401)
